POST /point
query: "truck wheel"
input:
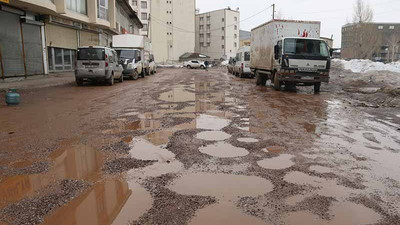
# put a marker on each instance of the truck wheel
(317, 88)
(258, 78)
(135, 75)
(79, 82)
(202, 67)
(147, 72)
(277, 83)
(110, 81)
(143, 74)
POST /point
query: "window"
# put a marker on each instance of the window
(223, 46)
(79, 6)
(235, 27)
(208, 35)
(144, 16)
(235, 44)
(201, 44)
(144, 5)
(222, 38)
(223, 28)
(208, 44)
(247, 56)
(305, 47)
(91, 54)
(201, 27)
(235, 35)
(208, 18)
(145, 27)
(102, 12)
(223, 19)
(391, 27)
(380, 27)
(235, 19)
(201, 35)
(134, 3)
(201, 19)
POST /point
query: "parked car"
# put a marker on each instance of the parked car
(97, 63)
(231, 64)
(194, 64)
(241, 65)
(152, 65)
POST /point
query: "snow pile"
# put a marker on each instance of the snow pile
(362, 66)
(170, 65)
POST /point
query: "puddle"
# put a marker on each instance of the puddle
(244, 128)
(144, 150)
(213, 136)
(208, 122)
(143, 125)
(223, 150)
(178, 95)
(157, 169)
(131, 114)
(22, 164)
(324, 187)
(78, 162)
(310, 156)
(102, 204)
(274, 149)
(127, 139)
(247, 140)
(159, 138)
(343, 213)
(294, 200)
(224, 213)
(321, 169)
(277, 163)
(221, 186)
(245, 119)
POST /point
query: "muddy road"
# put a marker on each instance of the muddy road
(196, 147)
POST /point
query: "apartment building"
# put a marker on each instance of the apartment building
(142, 7)
(379, 42)
(217, 33)
(41, 36)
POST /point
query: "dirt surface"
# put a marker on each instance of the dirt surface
(196, 147)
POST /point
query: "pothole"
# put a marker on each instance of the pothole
(277, 163)
(223, 150)
(213, 136)
(247, 140)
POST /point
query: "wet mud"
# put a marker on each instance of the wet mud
(197, 147)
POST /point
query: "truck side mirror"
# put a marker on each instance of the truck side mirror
(139, 59)
(331, 52)
(276, 52)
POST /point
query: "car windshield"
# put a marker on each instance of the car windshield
(309, 47)
(91, 54)
(128, 54)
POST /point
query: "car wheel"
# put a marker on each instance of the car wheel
(110, 81)
(189, 67)
(135, 75)
(121, 79)
(202, 67)
(147, 72)
(317, 88)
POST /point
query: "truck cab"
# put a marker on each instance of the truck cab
(301, 61)
(131, 61)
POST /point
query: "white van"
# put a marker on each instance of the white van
(97, 63)
(242, 64)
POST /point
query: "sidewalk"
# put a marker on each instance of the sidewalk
(37, 81)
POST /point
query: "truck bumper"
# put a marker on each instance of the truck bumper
(127, 72)
(306, 78)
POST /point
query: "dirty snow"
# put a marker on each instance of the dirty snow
(362, 66)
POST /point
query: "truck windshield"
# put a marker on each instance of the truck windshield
(128, 54)
(247, 56)
(305, 47)
(91, 54)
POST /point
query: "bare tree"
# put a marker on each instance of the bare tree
(366, 40)
(362, 12)
(393, 42)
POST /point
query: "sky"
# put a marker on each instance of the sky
(333, 14)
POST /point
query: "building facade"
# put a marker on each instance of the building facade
(142, 7)
(374, 41)
(41, 36)
(245, 38)
(217, 33)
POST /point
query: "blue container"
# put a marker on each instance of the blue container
(12, 97)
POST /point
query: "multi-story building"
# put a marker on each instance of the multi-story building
(245, 38)
(169, 25)
(142, 7)
(38, 36)
(217, 33)
(375, 41)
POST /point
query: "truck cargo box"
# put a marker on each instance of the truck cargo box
(265, 37)
(131, 41)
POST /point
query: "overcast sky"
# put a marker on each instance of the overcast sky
(332, 13)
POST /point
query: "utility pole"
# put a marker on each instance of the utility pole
(273, 11)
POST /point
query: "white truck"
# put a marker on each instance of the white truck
(290, 53)
(134, 54)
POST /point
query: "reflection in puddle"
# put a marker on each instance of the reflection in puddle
(208, 122)
(275, 149)
(294, 200)
(248, 140)
(213, 136)
(224, 213)
(177, 95)
(78, 162)
(222, 186)
(277, 163)
(223, 150)
(144, 150)
(157, 169)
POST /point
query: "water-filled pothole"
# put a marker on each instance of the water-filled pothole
(223, 150)
(213, 136)
(277, 163)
